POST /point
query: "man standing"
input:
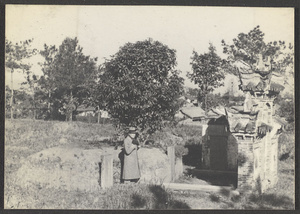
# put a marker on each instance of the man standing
(131, 170)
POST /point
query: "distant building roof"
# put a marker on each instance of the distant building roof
(193, 112)
(83, 108)
(187, 96)
(190, 122)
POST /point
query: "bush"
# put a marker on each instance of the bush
(286, 110)
(180, 151)
(286, 144)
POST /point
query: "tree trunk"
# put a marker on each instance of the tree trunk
(205, 102)
(12, 96)
(34, 106)
(71, 109)
(99, 115)
(90, 119)
(49, 96)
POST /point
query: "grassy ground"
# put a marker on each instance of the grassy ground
(27, 137)
(279, 197)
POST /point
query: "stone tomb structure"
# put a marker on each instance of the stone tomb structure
(244, 139)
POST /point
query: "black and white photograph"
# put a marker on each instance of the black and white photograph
(149, 107)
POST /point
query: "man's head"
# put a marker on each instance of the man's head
(132, 132)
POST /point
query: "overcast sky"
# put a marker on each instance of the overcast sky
(101, 30)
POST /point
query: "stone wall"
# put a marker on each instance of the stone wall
(245, 163)
(232, 153)
(270, 162)
(78, 169)
(205, 153)
(231, 149)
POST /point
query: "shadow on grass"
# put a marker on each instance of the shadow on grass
(214, 198)
(272, 200)
(217, 178)
(253, 201)
(137, 201)
(163, 201)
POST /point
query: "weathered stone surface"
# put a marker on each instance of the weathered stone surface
(154, 165)
(75, 168)
(66, 168)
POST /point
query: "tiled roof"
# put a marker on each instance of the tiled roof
(250, 127)
(239, 123)
(258, 80)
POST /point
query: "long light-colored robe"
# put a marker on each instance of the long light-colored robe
(131, 168)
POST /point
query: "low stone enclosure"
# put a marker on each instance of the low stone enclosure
(156, 169)
(90, 170)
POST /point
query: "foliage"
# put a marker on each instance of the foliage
(66, 71)
(15, 53)
(139, 85)
(214, 100)
(22, 102)
(286, 143)
(192, 92)
(46, 81)
(32, 82)
(14, 56)
(226, 100)
(206, 72)
(180, 151)
(286, 108)
(248, 46)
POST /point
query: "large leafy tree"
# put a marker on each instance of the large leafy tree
(249, 47)
(206, 73)
(15, 53)
(66, 72)
(139, 85)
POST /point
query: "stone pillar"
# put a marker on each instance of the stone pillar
(178, 167)
(171, 155)
(106, 170)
